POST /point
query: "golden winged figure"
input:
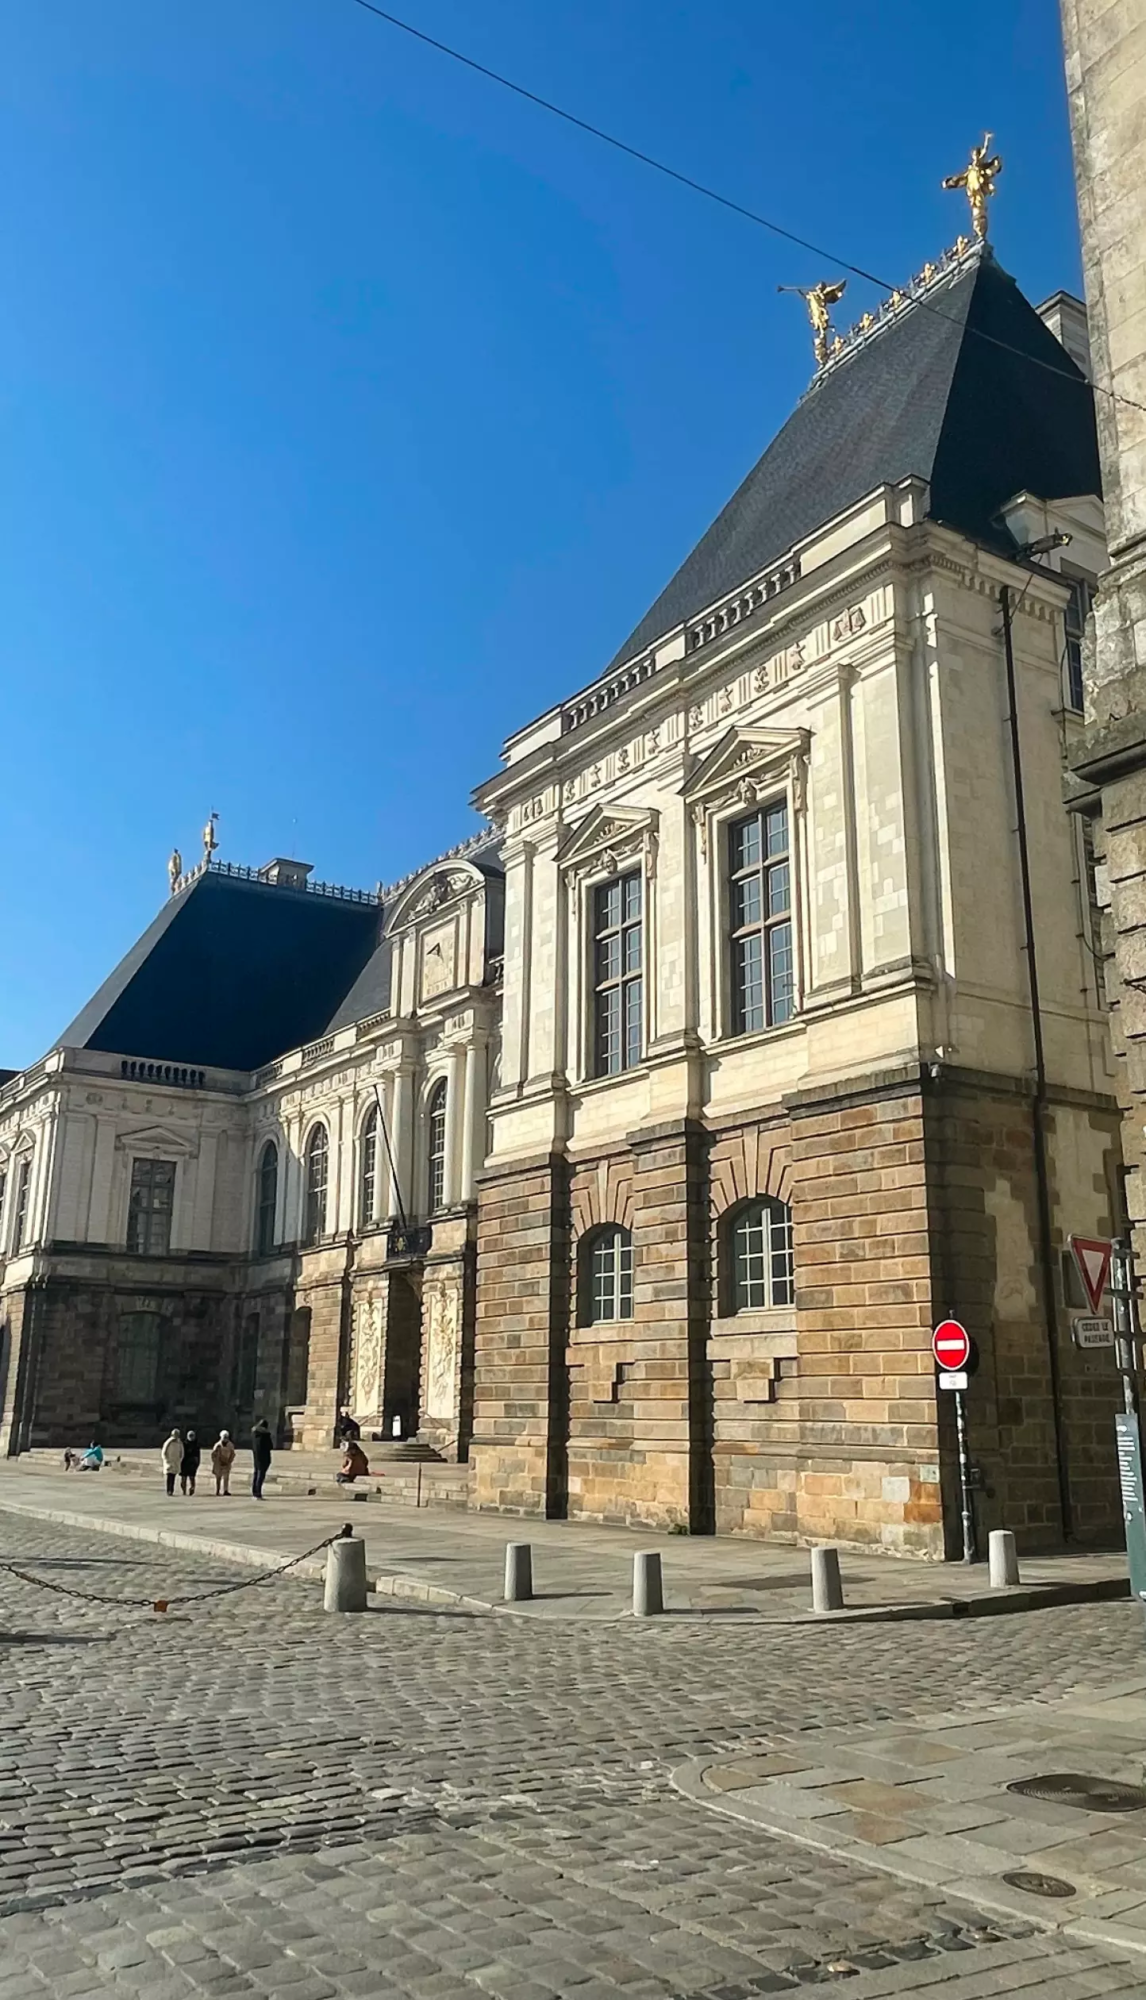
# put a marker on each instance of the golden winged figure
(978, 182)
(818, 298)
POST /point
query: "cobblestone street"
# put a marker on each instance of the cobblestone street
(245, 1797)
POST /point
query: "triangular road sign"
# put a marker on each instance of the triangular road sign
(1092, 1255)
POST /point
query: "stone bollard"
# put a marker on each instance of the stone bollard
(518, 1572)
(648, 1590)
(345, 1573)
(827, 1589)
(1001, 1558)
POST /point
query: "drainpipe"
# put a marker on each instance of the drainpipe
(1038, 1108)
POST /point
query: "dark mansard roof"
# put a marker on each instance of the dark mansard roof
(925, 395)
(235, 971)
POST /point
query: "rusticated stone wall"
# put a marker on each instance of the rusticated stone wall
(520, 1437)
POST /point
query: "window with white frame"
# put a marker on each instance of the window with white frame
(760, 919)
(3, 1201)
(20, 1217)
(606, 1276)
(1077, 613)
(758, 1256)
(618, 981)
(436, 1148)
(368, 1169)
(150, 1207)
(266, 1199)
(315, 1186)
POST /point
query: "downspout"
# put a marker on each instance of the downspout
(1038, 1107)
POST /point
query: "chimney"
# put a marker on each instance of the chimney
(285, 874)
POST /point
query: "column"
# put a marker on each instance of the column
(454, 1135)
(473, 1118)
(383, 1195)
(402, 1136)
(103, 1165)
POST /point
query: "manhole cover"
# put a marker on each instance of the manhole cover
(1070, 1788)
(1039, 1885)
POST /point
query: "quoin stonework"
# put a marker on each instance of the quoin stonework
(629, 1153)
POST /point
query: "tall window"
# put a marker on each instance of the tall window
(618, 951)
(137, 1357)
(760, 1256)
(3, 1204)
(266, 1199)
(150, 1206)
(317, 1172)
(20, 1219)
(436, 1147)
(760, 887)
(368, 1171)
(1077, 612)
(607, 1276)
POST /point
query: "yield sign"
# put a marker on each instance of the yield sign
(1092, 1255)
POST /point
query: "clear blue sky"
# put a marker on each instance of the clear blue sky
(353, 411)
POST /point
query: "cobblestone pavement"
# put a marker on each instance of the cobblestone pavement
(247, 1798)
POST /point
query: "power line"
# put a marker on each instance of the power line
(722, 200)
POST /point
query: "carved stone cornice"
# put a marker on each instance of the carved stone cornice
(612, 837)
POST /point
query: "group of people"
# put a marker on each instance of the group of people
(182, 1455)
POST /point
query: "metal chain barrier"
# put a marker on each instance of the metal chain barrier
(163, 1603)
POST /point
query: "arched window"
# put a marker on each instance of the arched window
(759, 1256)
(317, 1170)
(368, 1170)
(607, 1276)
(266, 1198)
(436, 1147)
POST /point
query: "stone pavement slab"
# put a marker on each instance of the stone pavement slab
(940, 1813)
(580, 1570)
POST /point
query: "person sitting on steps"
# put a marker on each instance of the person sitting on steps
(355, 1464)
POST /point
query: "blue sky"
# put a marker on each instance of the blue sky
(353, 411)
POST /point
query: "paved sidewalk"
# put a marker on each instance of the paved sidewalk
(931, 1804)
(580, 1571)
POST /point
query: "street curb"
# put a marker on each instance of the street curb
(398, 1584)
(981, 1891)
(241, 1553)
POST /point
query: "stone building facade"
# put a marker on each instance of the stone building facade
(195, 1242)
(769, 1102)
(632, 1151)
(1106, 84)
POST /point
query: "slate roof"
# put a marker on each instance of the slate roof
(235, 972)
(924, 396)
(231, 974)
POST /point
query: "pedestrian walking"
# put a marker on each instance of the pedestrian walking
(172, 1456)
(261, 1455)
(222, 1459)
(189, 1463)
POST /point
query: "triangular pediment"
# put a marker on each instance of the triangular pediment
(606, 828)
(744, 754)
(162, 1142)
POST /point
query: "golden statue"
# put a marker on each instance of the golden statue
(209, 841)
(174, 869)
(978, 180)
(818, 298)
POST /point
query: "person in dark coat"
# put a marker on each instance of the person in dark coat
(261, 1454)
(189, 1463)
(347, 1430)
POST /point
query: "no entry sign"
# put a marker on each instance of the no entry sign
(951, 1345)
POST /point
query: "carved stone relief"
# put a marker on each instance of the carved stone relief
(366, 1356)
(442, 1319)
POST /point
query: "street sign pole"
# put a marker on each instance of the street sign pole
(1125, 1321)
(965, 1509)
(1127, 1426)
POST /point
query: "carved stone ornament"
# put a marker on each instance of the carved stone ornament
(742, 769)
(606, 841)
(849, 622)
